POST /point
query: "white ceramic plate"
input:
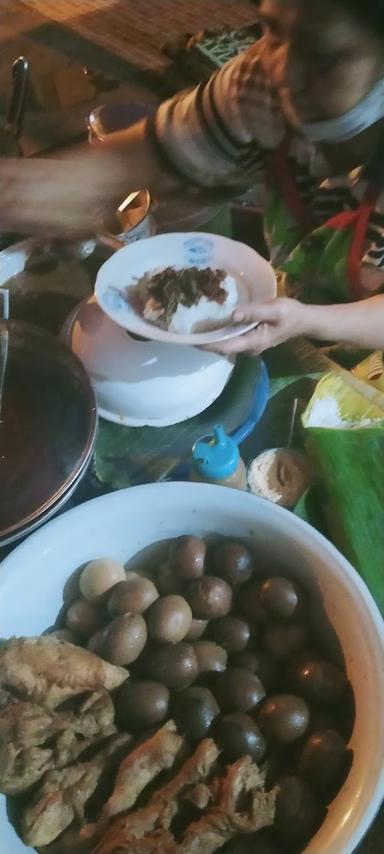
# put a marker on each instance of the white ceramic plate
(254, 275)
(122, 523)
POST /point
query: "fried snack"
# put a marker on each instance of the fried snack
(21, 769)
(148, 830)
(159, 842)
(164, 803)
(93, 721)
(90, 803)
(23, 727)
(5, 696)
(142, 766)
(62, 796)
(59, 800)
(26, 727)
(68, 842)
(25, 724)
(72, 840)
(200, 796)
(49, 671)
(227, 819)
(29, 724)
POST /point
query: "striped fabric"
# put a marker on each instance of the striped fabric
(221, 133)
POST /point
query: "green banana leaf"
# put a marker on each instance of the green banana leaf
(309, 508)
(348, 459)
(125, 456)
(350, 465)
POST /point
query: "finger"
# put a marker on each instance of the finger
(226, 348)
(250, 342)
(256, 312)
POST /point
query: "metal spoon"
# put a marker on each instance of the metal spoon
(15, 112)
(12, 128)
(4, 341)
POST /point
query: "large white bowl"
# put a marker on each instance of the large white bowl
(118, 525)
(255, 277)
(142, 383)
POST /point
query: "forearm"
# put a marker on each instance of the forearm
(207, 137)
(360, 323)
(71, 196)
(146, 164)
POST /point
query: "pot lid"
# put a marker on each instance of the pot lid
(47, 423)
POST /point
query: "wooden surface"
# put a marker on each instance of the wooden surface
(135, 30)
(119, 39)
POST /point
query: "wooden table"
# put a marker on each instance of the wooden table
(135, 30)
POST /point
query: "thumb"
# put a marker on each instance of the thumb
(257, 312)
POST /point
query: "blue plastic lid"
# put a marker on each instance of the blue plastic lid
(217, 458)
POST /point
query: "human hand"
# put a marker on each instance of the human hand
(278, 320)
(66, 197)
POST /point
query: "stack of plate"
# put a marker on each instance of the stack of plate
(47, 427)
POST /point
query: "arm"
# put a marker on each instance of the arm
(144, 162)
(215, 136)
(71, 196)
(360, 323)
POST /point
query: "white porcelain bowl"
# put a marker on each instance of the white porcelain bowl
(141, 383)
(254, 276)
(120, 524)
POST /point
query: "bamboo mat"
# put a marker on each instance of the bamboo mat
(135, 30)
(17, 18)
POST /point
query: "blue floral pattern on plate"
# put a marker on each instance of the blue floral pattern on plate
(113, 300)
(198, 251)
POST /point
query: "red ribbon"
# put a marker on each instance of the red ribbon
(281, 176)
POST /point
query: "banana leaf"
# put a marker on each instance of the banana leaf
(125, 456)
(309, 508)
(348, 457)
(336, 403)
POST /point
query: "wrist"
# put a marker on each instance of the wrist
(310, 320)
